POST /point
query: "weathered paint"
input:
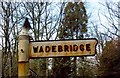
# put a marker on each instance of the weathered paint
(52, 48)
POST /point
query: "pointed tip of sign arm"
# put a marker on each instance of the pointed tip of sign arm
(26, 24)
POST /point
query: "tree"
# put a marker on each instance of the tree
(111, 14)
(74, 21)
(9, 32)
(109, 58)
(74, 25)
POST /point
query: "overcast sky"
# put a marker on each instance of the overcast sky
(95, 7)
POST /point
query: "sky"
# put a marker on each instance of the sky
(93, 6)
(96, 7)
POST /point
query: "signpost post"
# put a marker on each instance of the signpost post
(23, 53)
(37, 49)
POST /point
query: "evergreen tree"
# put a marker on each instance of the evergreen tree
(74, 22)
(73, 27)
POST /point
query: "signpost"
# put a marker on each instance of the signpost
(37, 49)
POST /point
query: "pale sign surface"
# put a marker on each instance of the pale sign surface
(62, 48)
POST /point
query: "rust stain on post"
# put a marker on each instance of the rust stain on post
(23, 70)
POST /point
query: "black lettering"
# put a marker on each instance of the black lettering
(66, 48)
(75, 47)
(41, 49)
(71, 48)
(60, 48)
(82, 47)
(35, 49)
(53, 48)
(47, 49)
(88, 47)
